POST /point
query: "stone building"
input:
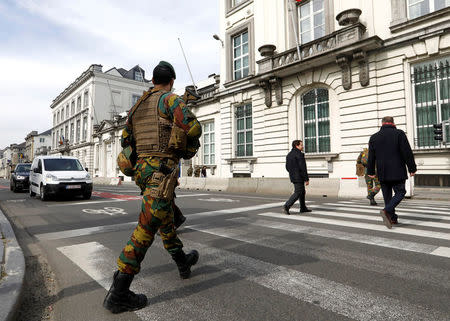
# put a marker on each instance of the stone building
(93, 97)
(326, 72)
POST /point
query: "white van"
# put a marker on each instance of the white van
(52, 175)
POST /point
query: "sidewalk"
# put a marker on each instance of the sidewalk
(432, 193)
(12, 270)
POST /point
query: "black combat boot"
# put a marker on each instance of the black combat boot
(185, 261)
(371, 198)
(120, 298)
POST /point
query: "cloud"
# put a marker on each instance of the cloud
(46, 44)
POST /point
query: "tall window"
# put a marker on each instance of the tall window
(72, 108)
(78, 104)
(240, 55)
(244, 130)
(316, 115)
(431, 83)
(417, 8)
(311, 20)
(78, 129)
(236, 2)
(134, 99)
(85, 119)
(58, 117)
(138, 75)
(67, 111)
(62, 114)
(208, 143)
(86, 98)
(66, 133)
(72, 126)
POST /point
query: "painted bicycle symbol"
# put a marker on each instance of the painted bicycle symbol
(106, 210)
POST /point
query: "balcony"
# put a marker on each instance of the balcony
(320, 51)
(340, 47)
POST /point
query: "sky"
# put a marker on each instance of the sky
(46, 44)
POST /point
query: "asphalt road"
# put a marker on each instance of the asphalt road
(337, 263)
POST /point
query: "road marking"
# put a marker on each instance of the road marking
(348, 236)
(237, 210)
(106, 210)
(339, 298)
(190, 195)
(91, 258)
(398, 209)
(402, 221)
(86, 202)
(221, 200)
(86, 231)
(367, 226)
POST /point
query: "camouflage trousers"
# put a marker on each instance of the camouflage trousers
(373, 185)
(156, 214)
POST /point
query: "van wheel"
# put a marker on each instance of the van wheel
(42, 193)
(32, 194)
(87, 196)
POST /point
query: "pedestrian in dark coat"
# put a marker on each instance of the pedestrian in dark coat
(390, 150)
(298, 174)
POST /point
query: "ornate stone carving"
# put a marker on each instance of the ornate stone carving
(276, 83)
(344, 64)
(266, 86)
(361, 58)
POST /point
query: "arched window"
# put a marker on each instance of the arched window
(316, 120)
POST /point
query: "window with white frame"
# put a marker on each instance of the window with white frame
(208, 137)
(78, 103)
(72, 126)
(134, 99)
(66, 133)
(311, 19)
(235, 3)
(244, 130)
(85, 126)
(42, 140)
(58, 139)
(78, 130)
(316, 120)
(240, 55)
(72, 108)
(431, 87)
(58, 117)
(86, 98)
(54, 119)
(138, 75)
(67, 111)
(62, 114)
(417, 8)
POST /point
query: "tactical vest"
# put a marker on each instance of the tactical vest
(150, 130)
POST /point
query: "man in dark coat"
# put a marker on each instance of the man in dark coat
(391, 151)
(298, 174)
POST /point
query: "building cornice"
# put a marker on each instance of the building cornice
(73, 86)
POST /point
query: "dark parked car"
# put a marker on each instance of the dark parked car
(20, 178)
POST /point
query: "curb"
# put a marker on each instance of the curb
(14, 268)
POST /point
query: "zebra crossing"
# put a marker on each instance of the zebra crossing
(424, 230)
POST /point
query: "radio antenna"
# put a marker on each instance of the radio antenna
(189, 69)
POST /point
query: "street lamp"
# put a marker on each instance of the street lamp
(215, 36)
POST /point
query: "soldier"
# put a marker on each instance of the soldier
(156, 173)
(190, 170)
(373, 185)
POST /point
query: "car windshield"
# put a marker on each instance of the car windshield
(23, 168)
(62, 164)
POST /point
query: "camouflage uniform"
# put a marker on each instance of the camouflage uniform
(156, 213)
(373, 184)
